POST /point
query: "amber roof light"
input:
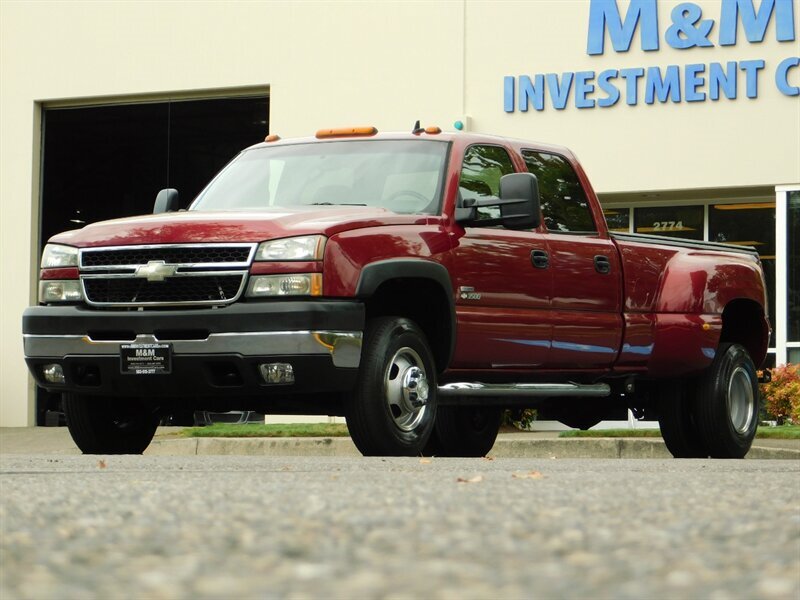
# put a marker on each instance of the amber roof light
(346, 132)
(272, 138)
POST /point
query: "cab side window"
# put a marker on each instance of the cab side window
(480, 176)
(564, 204)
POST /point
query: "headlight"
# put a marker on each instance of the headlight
(56, 256)
(306, 247)
(54, 290)
(301, 284)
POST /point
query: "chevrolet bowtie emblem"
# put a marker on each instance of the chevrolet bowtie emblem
(155, 270)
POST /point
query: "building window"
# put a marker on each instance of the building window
(673, 221)
(793, 272)
(618, 219)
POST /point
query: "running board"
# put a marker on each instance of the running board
(525, 390)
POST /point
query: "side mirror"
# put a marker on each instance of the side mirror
(519, 193)
(166, 201)
(518, 202)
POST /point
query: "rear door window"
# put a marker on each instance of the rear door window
(565, 208)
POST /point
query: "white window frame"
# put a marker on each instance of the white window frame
(782, 273)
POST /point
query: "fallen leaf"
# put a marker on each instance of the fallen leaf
(475, 479)
(101, 464)
(488, 458)
(424, 461)
(529, 475)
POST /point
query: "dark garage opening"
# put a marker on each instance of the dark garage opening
(106, 162)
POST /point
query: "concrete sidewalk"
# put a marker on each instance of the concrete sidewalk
(546, 444)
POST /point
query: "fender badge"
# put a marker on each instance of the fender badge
(468, 293)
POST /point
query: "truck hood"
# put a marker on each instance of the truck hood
(232, 226)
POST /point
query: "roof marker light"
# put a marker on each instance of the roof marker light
(433, 130)
(272, 138)
(346, 132)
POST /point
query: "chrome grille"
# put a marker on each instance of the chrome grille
(184, 254)
(168, 275)
(175, 290)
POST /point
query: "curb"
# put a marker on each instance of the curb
(504, 448)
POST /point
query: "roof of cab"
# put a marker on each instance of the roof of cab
(463, 138)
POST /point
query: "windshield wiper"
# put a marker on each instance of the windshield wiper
(335, 204)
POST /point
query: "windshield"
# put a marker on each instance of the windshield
(404, 176)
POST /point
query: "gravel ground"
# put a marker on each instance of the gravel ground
(247, 527)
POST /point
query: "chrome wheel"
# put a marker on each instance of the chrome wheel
(741, 403)
(406, 389)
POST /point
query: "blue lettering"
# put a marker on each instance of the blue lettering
(668, 86)
(605, 14)
(583, 88)
(688, 28)
(508, 94)
(755, 23)
(782, 76)
(751, 68)
(717, 78)
(559, 92)
(693, 81)
(608, 88)
(530, 93)
(631, 77)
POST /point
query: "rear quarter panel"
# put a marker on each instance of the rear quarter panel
(674, 300)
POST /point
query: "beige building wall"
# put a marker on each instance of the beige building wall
(380, 63)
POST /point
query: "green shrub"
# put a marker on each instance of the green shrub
(520, 418)
(782, 393)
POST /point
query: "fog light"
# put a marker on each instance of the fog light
(277, 372)
(53, 373)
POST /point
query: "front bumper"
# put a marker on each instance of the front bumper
(215, 352)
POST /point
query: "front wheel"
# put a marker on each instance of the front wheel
(726, 404)
(101, 425)
(392, 410)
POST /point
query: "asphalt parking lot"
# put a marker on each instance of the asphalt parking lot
(350, 527)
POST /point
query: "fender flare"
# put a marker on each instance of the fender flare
(379, 272)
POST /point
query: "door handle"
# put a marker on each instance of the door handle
(602, 264)
(540, 259)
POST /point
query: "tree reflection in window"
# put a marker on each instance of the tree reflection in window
(564, 205)
(480, 176)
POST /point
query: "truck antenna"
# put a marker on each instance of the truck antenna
(417, 129)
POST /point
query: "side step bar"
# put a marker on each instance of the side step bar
(525, 390)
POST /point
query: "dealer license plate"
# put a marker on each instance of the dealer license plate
(145, 359)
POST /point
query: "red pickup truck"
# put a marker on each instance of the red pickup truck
(417, 284)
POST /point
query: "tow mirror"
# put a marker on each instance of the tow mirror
(166, 201)
(519, 193)
(518, 203)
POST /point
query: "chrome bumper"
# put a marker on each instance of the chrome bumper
(344, 347)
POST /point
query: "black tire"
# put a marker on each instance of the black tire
(100, 425)
(385, 414)
(465, 430)
(726, 407)
(675, 404)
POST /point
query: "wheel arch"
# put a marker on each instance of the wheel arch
(417, 289)
(744, 322)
